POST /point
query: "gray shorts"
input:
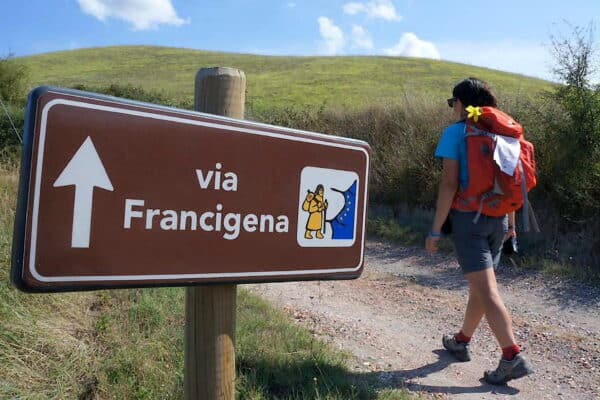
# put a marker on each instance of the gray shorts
(478, 246)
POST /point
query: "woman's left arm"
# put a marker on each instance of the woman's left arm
(512, 227)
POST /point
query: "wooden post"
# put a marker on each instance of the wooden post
(210, 310)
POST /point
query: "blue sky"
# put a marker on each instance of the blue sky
(509, 35)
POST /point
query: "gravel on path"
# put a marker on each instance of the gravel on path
(392, 318)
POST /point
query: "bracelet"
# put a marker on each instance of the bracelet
(435, 235)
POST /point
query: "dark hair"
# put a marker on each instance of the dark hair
(474, 92)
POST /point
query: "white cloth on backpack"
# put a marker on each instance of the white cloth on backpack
(506, 154)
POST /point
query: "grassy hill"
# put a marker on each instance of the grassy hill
(273, 82)
(344, 96)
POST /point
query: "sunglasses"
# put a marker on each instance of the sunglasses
(451, 101)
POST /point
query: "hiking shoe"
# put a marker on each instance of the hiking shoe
(460, 351)
(518, 367)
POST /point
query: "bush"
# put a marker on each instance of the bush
(402, 139)
(13, 77)
(10, 142)
(135, 93)
(8, 136)
(574, 160)
(404, 174)
(12, 93)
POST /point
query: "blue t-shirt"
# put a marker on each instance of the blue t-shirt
(453, 145)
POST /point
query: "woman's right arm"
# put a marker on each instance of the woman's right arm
(446, 192)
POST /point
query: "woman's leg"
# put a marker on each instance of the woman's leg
(512, 365)
(483, 285)
(473, 314)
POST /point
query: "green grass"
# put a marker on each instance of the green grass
(553, 269)
(278, 360)
(128, 344)
(272, 82)
(392, 230)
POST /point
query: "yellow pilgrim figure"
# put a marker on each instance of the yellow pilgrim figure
(316, 205)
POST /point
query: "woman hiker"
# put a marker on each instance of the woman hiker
(478, 245)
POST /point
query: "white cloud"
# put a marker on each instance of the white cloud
(361, 38)
(531, 59)
(383, 9)
(141, 14)
(411, 46)
(333, 38)
(354, 8)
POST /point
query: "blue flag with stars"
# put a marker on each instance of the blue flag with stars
(342, 225)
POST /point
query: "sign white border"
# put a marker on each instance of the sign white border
(181, 120)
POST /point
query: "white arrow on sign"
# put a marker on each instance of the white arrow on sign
(85, 170)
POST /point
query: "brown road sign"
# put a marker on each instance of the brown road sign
(116, 193)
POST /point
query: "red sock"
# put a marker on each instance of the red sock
(460, 337)
(508, 353)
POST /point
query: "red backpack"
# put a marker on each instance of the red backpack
(490, 134)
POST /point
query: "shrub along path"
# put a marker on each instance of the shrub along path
(392, 319)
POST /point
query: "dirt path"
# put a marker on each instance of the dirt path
(392, 319)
